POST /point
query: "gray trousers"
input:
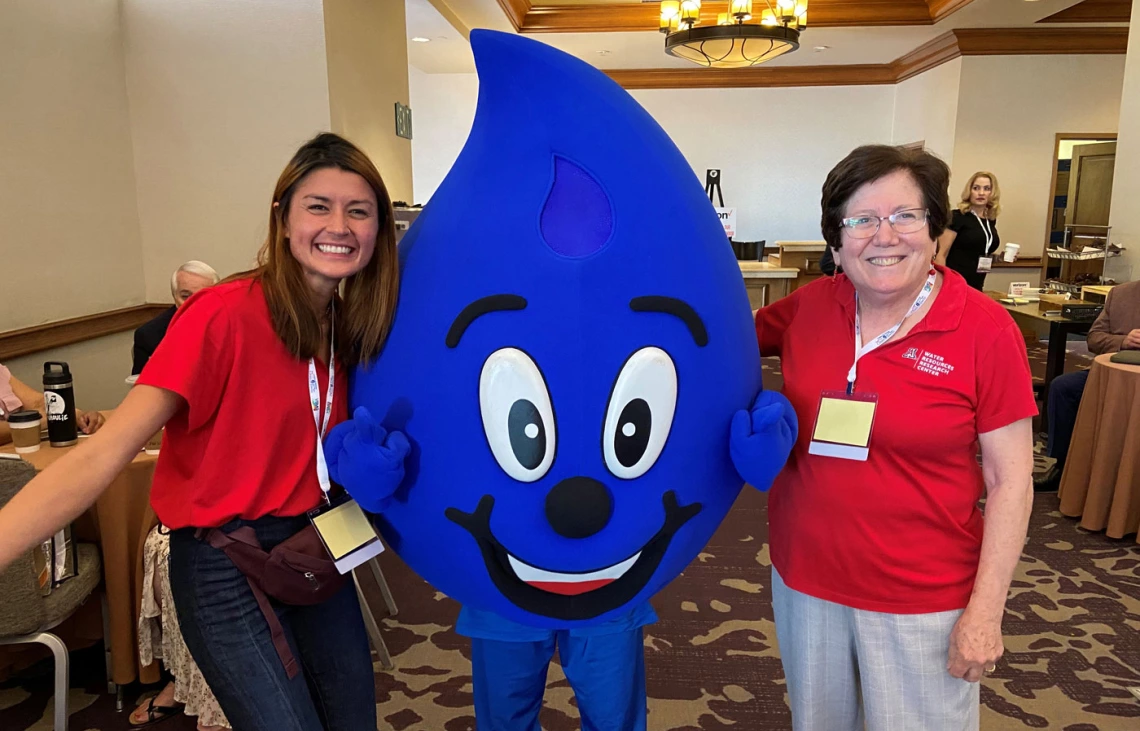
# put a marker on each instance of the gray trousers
(849, 669)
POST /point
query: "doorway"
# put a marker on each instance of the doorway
(1081, 193)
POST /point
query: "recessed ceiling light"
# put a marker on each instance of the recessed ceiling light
(420, 39)
(820, 49)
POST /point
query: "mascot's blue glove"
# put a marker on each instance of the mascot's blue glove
(366, 459)
(761, 441)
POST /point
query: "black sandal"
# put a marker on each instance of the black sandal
(157, 714)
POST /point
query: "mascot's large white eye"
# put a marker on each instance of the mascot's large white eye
(640, 413)
(517, 416)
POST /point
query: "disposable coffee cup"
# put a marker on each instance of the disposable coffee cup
(25, 427)
(1011, 251)
(154, 444)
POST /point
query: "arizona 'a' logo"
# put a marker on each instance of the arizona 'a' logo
(911, 354)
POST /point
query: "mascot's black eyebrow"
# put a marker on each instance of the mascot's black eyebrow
(482, 306)
(677, 308)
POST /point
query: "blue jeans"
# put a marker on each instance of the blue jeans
(1064, 400)
(230, 641)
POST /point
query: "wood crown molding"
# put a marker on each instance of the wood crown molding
(1094, 11)
(962, 42)
(850, 75)
(940, 9)
(626, 17)
(37, 338)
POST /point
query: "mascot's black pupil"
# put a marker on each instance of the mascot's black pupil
(528, 438)
(633, 432)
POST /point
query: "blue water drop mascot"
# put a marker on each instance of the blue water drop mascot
(575, 370)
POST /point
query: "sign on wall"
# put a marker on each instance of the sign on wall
(403, 121)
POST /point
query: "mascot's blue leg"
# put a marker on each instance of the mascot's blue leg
(607, 673)
(509, 679)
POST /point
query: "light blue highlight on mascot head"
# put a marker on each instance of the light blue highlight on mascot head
(572, 340)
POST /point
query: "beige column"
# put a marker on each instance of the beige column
(1125, 215)
(367, 48)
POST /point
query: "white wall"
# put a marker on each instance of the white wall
(443, 108)
(99, 368)
(367, 63)
(1009, 110)
(926, 109)
(1125, 215)
(222, 92)
(774, 147)
(71, 241)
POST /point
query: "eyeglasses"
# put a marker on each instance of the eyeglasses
(904, 222)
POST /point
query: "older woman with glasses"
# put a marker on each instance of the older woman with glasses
(888, 582)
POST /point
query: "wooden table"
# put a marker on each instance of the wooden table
(766, 282)
(1101, 482)
(122, 518)
(1059, 330)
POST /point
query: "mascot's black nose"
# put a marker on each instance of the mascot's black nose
(578, 507)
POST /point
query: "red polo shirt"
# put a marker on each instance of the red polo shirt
(244, 445)
(901, 532)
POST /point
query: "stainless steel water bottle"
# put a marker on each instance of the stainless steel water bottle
(59, 402)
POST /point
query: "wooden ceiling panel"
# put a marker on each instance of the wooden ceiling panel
(961, 42)
(626, 17)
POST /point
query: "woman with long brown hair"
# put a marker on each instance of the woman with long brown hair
(239, 380)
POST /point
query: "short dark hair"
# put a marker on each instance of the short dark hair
(869, 163)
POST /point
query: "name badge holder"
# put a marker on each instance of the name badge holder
(843, 425)
(845, 419)
(347, 533)
(986, 261)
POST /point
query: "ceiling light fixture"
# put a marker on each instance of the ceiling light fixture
(732, 42)
(420, 39)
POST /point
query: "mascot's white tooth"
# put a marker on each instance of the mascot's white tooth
(530, 574)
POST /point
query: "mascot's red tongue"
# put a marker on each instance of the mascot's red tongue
(570, 588)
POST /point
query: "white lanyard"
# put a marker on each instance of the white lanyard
(985, 224)
(315, 402)
(923, 294)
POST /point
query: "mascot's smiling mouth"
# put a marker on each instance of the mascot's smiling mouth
(570, 596)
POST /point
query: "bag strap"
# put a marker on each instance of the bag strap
(276, 631)
(223, 542)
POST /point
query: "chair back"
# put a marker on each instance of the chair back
(22, 609)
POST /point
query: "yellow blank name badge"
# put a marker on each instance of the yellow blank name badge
(347, 534)
(843, 427)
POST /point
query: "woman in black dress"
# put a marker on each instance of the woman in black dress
(970, 241)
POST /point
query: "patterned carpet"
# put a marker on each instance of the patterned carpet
(1072, 633)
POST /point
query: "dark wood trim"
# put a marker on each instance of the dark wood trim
(946, 47)
(24, 341)
(940, 9)
(516, 11)
(628, 17)
(1024, 262)
(780, 76)
(927, 56)
(1094, 11)
(1019, 41)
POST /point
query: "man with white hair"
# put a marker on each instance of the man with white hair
(186, 280)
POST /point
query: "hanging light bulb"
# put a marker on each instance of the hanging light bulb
(670, 9)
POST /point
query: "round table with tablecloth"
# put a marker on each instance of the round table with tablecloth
(1101, 481)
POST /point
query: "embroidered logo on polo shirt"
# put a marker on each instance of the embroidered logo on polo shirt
(928, 362)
